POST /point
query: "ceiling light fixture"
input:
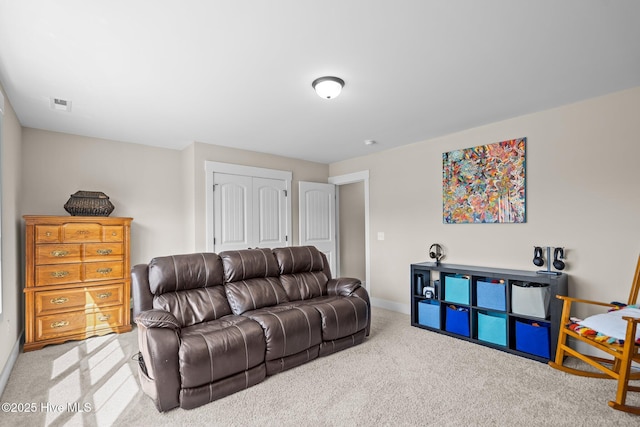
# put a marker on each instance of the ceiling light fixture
(60, 104)
(328, 87)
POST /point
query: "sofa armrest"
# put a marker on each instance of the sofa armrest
(158, 319)
(142, 296)
(343, 286)
(160, 348)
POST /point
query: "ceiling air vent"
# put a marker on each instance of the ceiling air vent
(60, 104)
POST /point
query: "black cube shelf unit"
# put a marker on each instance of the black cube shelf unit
(498, 308)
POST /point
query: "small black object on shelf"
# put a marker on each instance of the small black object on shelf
(558, 255)
(436, 252)
(89, 203)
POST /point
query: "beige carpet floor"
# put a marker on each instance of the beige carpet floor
(400, 376)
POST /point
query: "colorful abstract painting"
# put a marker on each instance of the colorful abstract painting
(484, 184)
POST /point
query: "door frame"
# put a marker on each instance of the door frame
(230, 168)
(350, 178)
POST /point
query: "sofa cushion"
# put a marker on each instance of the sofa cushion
(183, 272)
(298, 259)
(189, 287)
(288, 329)
(252, 280)
(248, 264)
(302, 272)
(214, 350)
(341, 316)
(195, 305)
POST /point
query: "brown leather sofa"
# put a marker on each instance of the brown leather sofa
(210, 325)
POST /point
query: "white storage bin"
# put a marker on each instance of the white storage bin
(530, 300)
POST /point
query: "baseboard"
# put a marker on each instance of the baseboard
(391, 305)
(8, 367)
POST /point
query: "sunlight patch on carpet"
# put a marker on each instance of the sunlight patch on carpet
(104, 361)
(64, 362)
(114, 396)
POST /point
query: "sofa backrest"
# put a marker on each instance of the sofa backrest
(189, 286)
(302, 272)
(251, 279)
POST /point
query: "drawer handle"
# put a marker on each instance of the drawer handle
(48, 234)
(104, 295)
(59, 273)
(59, 253)
(59, 300)
(114, 234)
(59, 324)
(104, 251)
(104, 317)
(104, 270)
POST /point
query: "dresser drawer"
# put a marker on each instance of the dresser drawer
(103, 270)
(56, 254)
(48, 302)
(81, 232)
(56, 325)
(103, 252)
(56, 274)
(47, 234)
(113, 233)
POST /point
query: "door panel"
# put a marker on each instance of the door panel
(269, 213)
(233, 209)
(317, 212)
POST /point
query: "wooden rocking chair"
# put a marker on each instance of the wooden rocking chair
(623, 354)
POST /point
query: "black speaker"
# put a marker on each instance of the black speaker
(537, 256)
(558, 254)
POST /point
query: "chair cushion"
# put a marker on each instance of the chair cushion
(609, 327)
(214, 350)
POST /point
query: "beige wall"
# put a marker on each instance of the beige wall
(11, 324)
(582, 193)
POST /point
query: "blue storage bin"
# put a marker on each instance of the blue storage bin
(492, 327)
(533, 339)
(456, 289)
(457, 320)
(429, 313)
(491, 295)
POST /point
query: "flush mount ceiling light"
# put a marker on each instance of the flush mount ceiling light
(60, 104)
(328, 87)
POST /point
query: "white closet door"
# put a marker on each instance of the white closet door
(269, 213)
(317, 220)
(249, 212)
(233, 203)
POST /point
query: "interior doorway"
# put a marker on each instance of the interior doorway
(353, 225)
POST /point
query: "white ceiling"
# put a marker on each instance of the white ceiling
(238, 72)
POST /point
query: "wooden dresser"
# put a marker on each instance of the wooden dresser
(77, 279)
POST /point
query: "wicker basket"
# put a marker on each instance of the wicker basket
(89, 203)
